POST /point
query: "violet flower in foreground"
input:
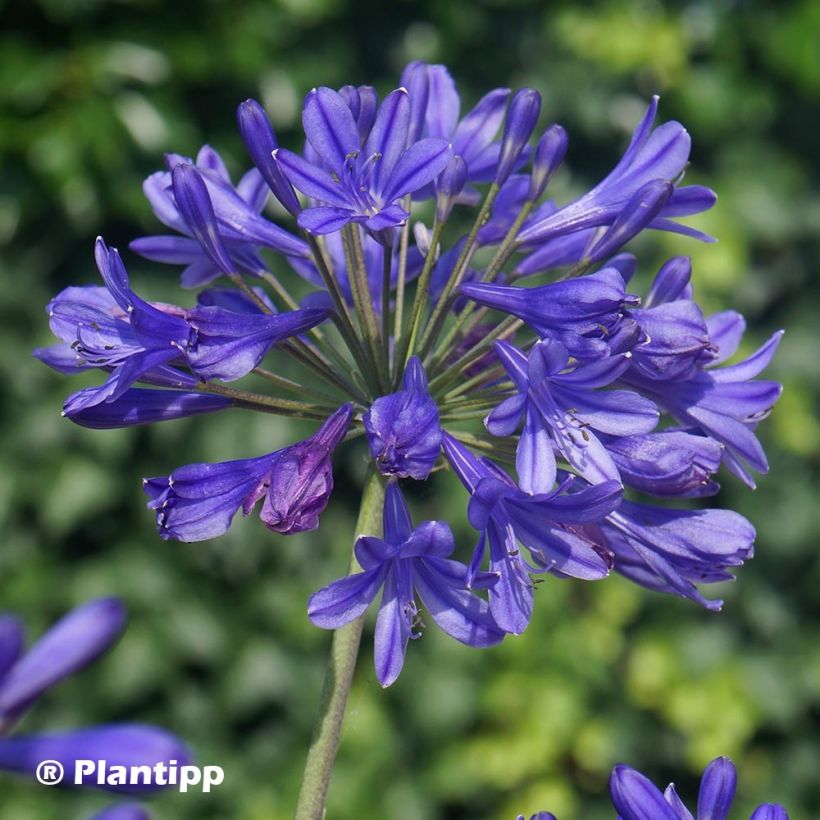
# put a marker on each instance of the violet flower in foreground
(73, 643)
(407, 562)
(409, 339)
(199, 501)
(355, 183)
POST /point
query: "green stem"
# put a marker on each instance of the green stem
(401, 277)
(268, 404)
(439, 316)
(295, 387)
(441, 380)
(387, 269)
(341, 318)
(363, 300)
(339, 676)
(408, 343)
(469, 316)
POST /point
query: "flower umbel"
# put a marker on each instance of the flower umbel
(409, 338)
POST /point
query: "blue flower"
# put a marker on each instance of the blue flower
(635, 797)
(435, 111)
(199, 501)
(562, 407)
(403, 429)
(586, 314)
(73, 643)
(658, 156)
(671, 550)
(237, 212)
(358, 183)
(550, 524)
(724, 403)
(405, 563)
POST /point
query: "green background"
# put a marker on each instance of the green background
(219, 648)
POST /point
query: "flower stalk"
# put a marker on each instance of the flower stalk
(342, 663)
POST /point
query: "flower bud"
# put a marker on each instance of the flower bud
(260, 140)
(197, 210)
(403, 429)
(636, 215)
(449, 185)
(522, 115)
(549, 154)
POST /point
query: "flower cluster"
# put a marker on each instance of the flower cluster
(607, 414)
(635, 797)
(73, 643)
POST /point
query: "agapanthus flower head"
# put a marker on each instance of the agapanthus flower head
(73, 643)
(409, 338)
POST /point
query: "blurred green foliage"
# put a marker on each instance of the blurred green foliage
(219, 649)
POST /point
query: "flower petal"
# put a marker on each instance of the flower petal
(330, 127)
(717, 789)
(636, 798)
(126, 744)
(459, 613)
(344, 600)
(420, 164)
(310, 179)
(74, 642)
(392, 632)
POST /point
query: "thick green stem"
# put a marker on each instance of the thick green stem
(339, 676)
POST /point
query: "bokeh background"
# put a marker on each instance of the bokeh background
(219, 648)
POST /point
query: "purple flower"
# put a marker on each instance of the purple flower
(525, 106)
(406, 563)
(260, 140)
(671, 550)
(114, 329)
(551, 525)
(635, 797)
(435, 109)
(227, 344)
(356, 183)
(199, 501)
(548, 156)
(561, 408)
(725, 403)
(671, 463)
(403, 429)
(138, 406)
(73, 643)
(677, 343)
(237, 215)
(652, 156)
(586, 314)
